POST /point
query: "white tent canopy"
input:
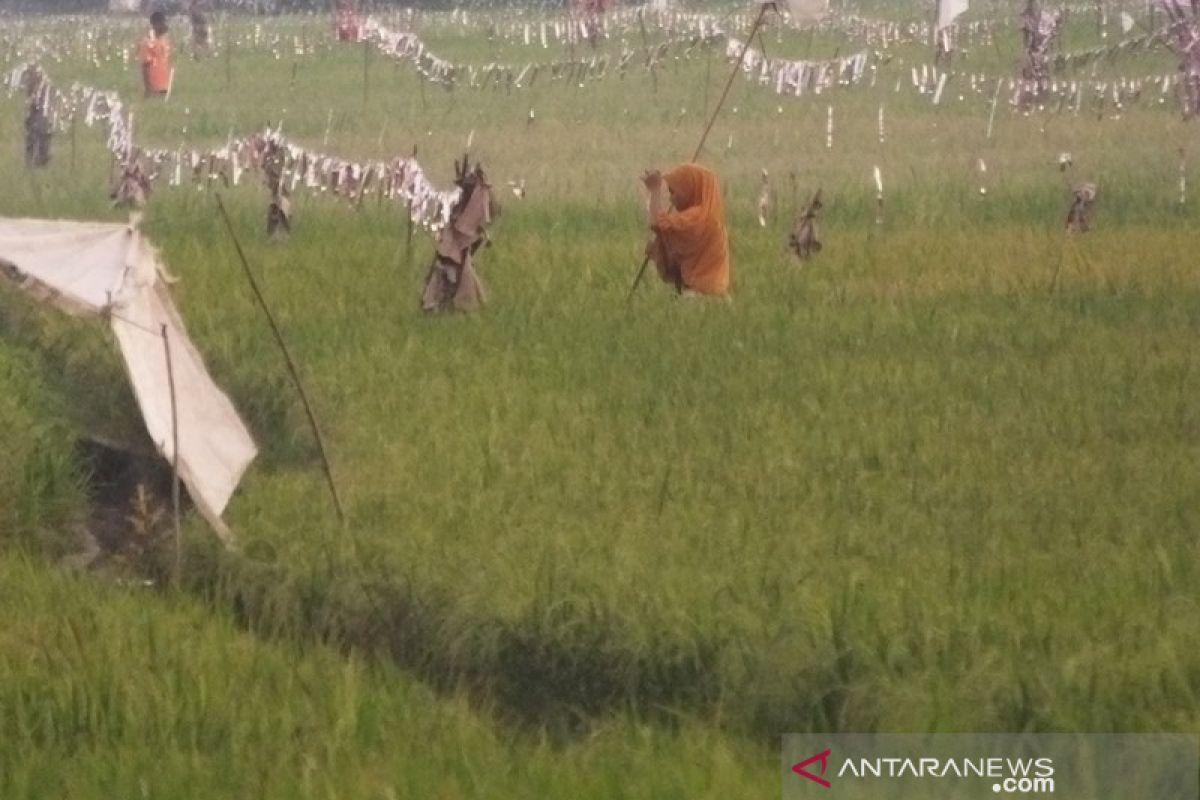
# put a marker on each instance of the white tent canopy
(90, 268)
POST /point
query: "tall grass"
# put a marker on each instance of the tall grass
(111, 692)
(40, 491)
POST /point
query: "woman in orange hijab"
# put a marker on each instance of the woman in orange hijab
(691, 246)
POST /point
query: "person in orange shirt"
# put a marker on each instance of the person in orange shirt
(691, 244)
(154, 54)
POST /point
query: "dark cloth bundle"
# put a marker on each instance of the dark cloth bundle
(38, 132)
(1083, 199)
(452, 283)
(803, 239)
(133, 185)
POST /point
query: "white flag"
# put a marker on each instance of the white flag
(801, 10)
(1127, 22)
(948, 11)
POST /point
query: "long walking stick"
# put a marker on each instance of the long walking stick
(762, 12)
(312, 419)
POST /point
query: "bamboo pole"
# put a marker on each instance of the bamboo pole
(409, 237)
(762, 12)
(174, 458)
(291, 366)
(366, 70)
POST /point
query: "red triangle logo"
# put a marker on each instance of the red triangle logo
(823, 757)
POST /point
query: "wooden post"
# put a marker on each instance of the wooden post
(174, 458)
(878, 196)
(291, 366)
(995, 102)
(1182, 177)
(732, 76)
(933, 29)
(707, 81)
(366, 70)
(409, 238)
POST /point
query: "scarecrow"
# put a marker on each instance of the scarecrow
(1079, 216)
(452, 283)
(279, 211)
(133, 185)
(803, 239)
(39, 127)
(1039, 30)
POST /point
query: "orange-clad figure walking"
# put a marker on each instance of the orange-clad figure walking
(154, 54)
(691, 244)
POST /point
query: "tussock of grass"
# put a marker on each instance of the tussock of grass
(40, 492)
(116, 692)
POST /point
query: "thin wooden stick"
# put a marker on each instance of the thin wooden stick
(312, 419)
(409, 237)
(174, 457)
(933, 29)
(638, 279)
(366, 69)
(707, 73)
(995, 102)
(762, 12)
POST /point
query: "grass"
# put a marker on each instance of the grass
(40, 490)
(111, 691)
(939, 478)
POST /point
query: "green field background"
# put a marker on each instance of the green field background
(941, 477)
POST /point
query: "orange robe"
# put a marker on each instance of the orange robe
(693, 234)
(154, 53)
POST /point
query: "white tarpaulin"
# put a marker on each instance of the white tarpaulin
(80, 266)
(948, 11)
(110, 269)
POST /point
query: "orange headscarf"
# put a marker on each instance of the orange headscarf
(694, 235)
